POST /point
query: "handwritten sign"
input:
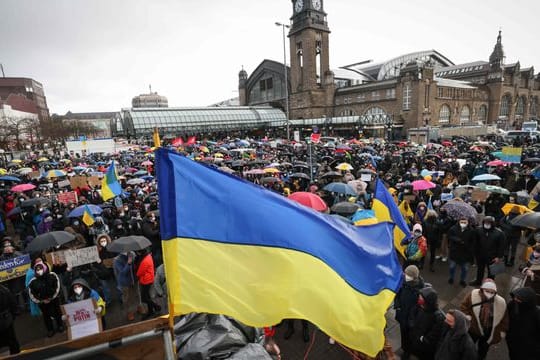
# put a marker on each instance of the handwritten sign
(78, 182)
(67, 197)
(81, 318)
(82, 256)
(63, 184)
(56, 258)
(34, 174)
(14, 268)
(93, 181)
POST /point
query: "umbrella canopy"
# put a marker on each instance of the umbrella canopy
(332, 174)
(340, 188)
(9, 178)
(486, 177)
(129, 243)
(515, 208)
(42, 159)
(49, 240)
(493, 189)
(3, 171)
(344, 166)
(345, 208)
(300, 176)
(141, 173)
(226, 169)
(35, 202)
(422, 185)
(23, 187)
(271, 170)
(25, 170)
(136, 181)
(358, 185)
(531, 160)
(147, 163)
(497, 163)
(308, 199)
(528, 220)
(270, 180)
(54, 174)
(457, 208)
(79, 211)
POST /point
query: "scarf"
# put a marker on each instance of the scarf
(486, 313)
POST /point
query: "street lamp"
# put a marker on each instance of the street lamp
(283, 26)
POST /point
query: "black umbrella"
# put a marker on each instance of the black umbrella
(301, 165)
(464, 156)
(345, 208)
(35, 202)
(14, 211)
(528, 220)
(238, 163)
(300, 175)
(332, 174)
(532, 160)
(49, 240)
(129, 243)
(270, 180)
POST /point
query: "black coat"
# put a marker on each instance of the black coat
(461, 244)
(8, 308)
(45, 287)
(406, 298)
(432, 232)
(456, 343)
(511, 232)
(524, 328)
(489, 244)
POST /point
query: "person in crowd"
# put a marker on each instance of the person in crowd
(44, 290)
(8, 312)
(145, 275)
(524, 325)
(118, 229)
(444, 223)
(405, 302)
(456, 343)
(531, 271)
(489, 249)
(512, 234)
(416, 249)
(160, 285)
(16, 285)
(80, 290)
(125, 280)
(150, 230)
(489, 316)
(433, 236)
(461, 241)
(426, 325)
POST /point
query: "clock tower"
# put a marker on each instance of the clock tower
(312, 82)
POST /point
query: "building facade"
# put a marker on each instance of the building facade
(151, 100)
(12, 89)
(414, 90)
(94, 125)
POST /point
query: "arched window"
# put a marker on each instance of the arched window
(375, 115)
(465, 115)
(534, 106)
(482, 113)
(505, 106)
(444, 114)
(407, 95)
(520, 107)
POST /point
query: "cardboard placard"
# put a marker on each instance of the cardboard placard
(34, 174)
(14, 268)
(67, 197)
(56, 258)
(108, 263)
(479, 195)
(78, 182)
(82, 256)
(93, 181)
(409, 198)
(63, 184)
(365, 177)
(82, 319)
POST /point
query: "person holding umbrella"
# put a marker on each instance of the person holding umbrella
(125, 280)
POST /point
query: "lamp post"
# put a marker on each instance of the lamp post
(283, 26)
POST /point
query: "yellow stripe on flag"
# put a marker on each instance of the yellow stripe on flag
(383, 214)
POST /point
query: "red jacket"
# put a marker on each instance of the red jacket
(145, 272)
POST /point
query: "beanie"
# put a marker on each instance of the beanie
(412, 271)
(489, 284)
(417, 227)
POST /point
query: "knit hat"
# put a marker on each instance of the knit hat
(417, 227)
(489, 284)
(412, 271)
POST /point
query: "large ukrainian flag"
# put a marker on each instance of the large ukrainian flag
(231, 247)
(110, 187)
(386, 209)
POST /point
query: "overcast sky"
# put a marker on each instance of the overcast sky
(95, 55)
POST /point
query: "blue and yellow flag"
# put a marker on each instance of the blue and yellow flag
(88, 218)
(110, 187)
(231, 247)
(385, 209)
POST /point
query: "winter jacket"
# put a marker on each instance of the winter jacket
(145, 271)
(416, 249)
(471, 306)
(160, 283)
(461, 244)
(8, 308)
(489, 244)
(406, 298)
(426, 325)
(88, 293)
(123, 272)
(524, 329)
(432, 232)
(511, 232)
(44, 287)
(456, 343)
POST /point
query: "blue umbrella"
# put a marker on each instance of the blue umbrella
(9, 178)
(141, 173)
(486, 177)
(340, 188)
(148, 178)
(79, 211)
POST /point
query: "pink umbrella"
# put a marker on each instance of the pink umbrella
(147, 163)
(309, 199)
(497, 163)
(423, 185)
(23, 187)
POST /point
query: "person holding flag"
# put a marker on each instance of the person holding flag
(110, 186)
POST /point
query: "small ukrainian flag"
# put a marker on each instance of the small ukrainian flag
(87, 218)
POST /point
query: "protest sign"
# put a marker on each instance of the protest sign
(82, 256)
(93, 181)
(511, 154)
(479, 195)
(14, 268)
(34, 174)
(56, 258)
(63, 184)
(67, 197)
(82, 319)
(78, 182)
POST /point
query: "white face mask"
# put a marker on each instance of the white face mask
(78, 290)
(408, 278)
(487, 226)
(39, 272)
(488, 295)
(103, 243)
(463, 225)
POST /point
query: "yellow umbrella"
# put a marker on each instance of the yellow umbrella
(518, 209)
(271, 170)
(65, 160)
(3, 171)
(344, 166)
(204, 149)
(16, 161)
(218, 155)
(42, 159)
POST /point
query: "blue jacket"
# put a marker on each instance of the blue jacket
(123, 271)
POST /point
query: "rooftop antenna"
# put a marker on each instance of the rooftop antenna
(150, 87)
(2, 67)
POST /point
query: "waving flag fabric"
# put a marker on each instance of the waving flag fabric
(110, 187)
(88, 218)
(231, 247)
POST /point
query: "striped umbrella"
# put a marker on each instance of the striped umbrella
(54, 174)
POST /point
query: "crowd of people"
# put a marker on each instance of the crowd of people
(457, 198)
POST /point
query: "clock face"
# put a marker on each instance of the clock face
(316, 4)
(299, 5)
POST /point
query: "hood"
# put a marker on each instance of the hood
(81, 282)
(431, 299)
(462, 324)
(527, 297)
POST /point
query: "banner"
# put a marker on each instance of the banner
(82, 256)
(56, 258)
(14, 268)
(81, 318)
(78, 182)
(67, 197)
(94, 181)
(511, 154)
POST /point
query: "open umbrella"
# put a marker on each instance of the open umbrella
(9, 178)
(457, 208)
(345, 208)
(331, 174)
(23, 187)
(515, 208)
(308, 199)
(493, 189)
(528, 220)
(35, 202)
(129, 243)
(423, 185)
(486, 177)
(226, 169)
(54, 174)
(300, 176)
(358, 185)
(147, 163)
(135, 181)
(270, 180)
(271, 171)
(344, 166)
(25, 170)
(340, 188)
(79, 211)
(49, 240)
(497, 163)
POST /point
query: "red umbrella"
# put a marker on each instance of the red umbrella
(423, 185)
(177, 142)
(23, 187)
(447, 143)
(309, 199)
(497, 163)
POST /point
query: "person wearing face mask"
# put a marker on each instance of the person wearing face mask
(43, 290)
(524, 328)
(489, 249)
(531, 271)
(150, 230)
(416, 249)
(489, 318)
(513, 234)
(461, 240)
(456, 343)
(80, 290)
(404, 303)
